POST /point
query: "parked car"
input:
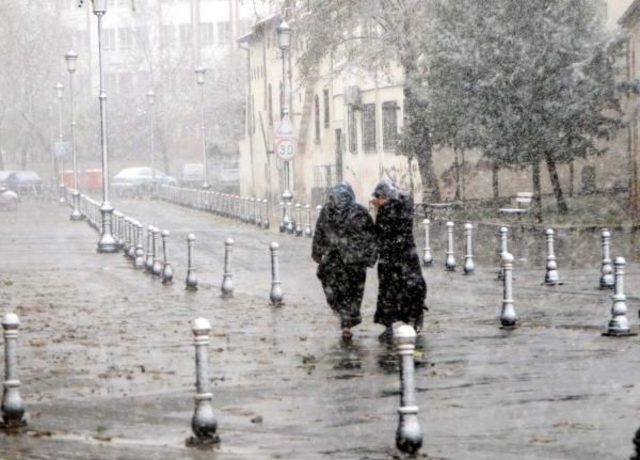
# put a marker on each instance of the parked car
(138, 181)
(24, 183)
(192, 175)
(8, 199)
(4, 175)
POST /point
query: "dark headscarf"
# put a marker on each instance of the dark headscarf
(385, 189)
(342, 196)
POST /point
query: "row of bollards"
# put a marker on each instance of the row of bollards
(293, 225)
(250, 210)
(203, 421)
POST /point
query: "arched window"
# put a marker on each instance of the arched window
(317, 117)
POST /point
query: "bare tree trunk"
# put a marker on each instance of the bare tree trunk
(494, 180)
(555, 183)
(536, 201)
(457, 169)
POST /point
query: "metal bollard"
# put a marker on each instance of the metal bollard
(148, 263)
(265, 219)
(291, 225)
(167, 271)
(504, 239)
(203, 422)
(13, 411)
(131, 253)
(299, 231)
(276, 296)
(427, 256)
(450, 262)
(283, 221)
(409, 432)
(156, 269)
(307, 229)
(227, 283)
(551, 277)
(508, 316)
(191, 282)
(139, 252)
(257, 210)
(469, 266)
(619, 324)
(607, 280)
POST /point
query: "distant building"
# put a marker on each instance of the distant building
(348, 123)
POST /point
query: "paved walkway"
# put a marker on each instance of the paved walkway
(106, 356)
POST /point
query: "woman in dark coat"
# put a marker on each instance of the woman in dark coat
(402, 289)
(344, 246)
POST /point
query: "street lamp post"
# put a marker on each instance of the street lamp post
(71, 57)
(151, 99)
(284, 43)
(107, 242)
(59, 87)
(200, 71)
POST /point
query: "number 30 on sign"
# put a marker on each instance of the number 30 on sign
(285, 149)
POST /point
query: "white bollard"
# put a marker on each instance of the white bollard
(276, 296)
(13, 411)
(427, 256)
(139, 252)
(265, 219)
(156, 269)
(191, 282)
(409, 432)
(619, 324)
(469, 266)
(607, 280)
(504, 239)
(508, 316)
(203, 422)
(148, 263)
(227, 283)
(167, 271)
(450, 262)
(551, 277)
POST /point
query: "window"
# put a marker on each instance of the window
(325, 97)
(206, 33)
(316, 109)
(353, 131)
(224, 33)
(185, 34)
(390, 125)
(168, 35)
(125, 38)
(109, 39)
(369, 127)
(270, 103)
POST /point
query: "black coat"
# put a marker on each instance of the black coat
(402, 289)
(344, 245)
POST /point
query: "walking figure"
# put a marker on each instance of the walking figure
(343, 247)
(402, 289)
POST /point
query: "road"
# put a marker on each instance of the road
(107, 363)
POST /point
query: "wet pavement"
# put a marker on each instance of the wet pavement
(107, 362)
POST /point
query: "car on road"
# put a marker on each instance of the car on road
(24, 183)
(138, 181)
(8, 199)
(192, 175)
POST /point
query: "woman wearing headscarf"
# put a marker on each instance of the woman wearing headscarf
(402, 289)
(343, 247)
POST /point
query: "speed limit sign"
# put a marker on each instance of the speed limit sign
(285, 149)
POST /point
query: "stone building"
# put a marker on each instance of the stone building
(348, 122)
